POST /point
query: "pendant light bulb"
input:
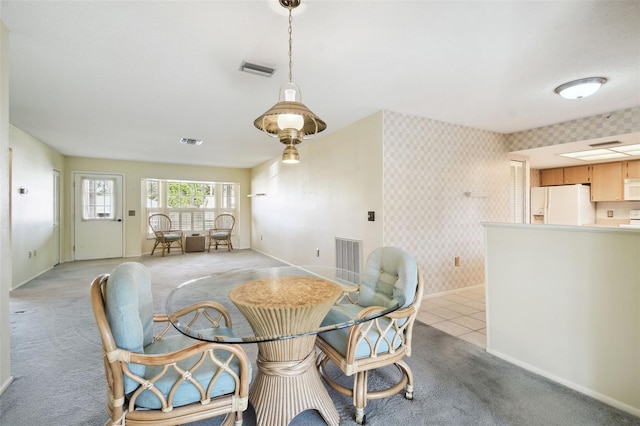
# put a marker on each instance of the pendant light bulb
(290, 121)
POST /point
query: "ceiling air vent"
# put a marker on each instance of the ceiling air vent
(600, 144)
(189, 141)
(257, 69)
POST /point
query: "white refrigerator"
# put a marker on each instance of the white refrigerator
(562, 205)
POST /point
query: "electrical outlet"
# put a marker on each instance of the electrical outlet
(260, 237)
(609, 213)
(317, 252)
(456, 261)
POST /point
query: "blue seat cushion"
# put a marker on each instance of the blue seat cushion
(220, 235)
(338, 338)
(172, 237)
(186, 393)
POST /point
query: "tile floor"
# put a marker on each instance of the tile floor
(460, 313)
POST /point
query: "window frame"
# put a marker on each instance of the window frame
(191, 220)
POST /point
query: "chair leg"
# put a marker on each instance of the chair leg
(406, 370)
(360, 395)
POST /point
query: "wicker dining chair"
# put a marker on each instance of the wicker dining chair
(380, 342)
(163, 379)
(165, 234)
(221, 232)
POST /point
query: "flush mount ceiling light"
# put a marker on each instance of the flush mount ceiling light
(581, 88)
(289, 120)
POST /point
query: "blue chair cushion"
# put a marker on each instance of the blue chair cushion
(220, 235)
(172, 237)
(397, 278)
(129, 310)
(186, 392)
(338, 338)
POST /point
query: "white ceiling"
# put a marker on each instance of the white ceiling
(128, 79)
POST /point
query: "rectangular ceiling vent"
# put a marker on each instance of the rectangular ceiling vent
(189, 141)
(257, 69)
(594, 145)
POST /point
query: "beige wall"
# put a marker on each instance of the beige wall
(134, 172)
(574, 319)
(327, 195)
(5, 215)
(32, 214)
(411, 171)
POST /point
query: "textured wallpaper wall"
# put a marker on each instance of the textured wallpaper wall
(428, 165)
(597, 126)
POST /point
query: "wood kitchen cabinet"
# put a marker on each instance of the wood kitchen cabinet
(577, 174)
(550, 177)
(565, 175)
(606, 182)
(632, 169)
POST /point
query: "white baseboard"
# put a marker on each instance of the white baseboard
(6, 384)
(579, 388)
(33, 277)
(444, 293)
(273, 257)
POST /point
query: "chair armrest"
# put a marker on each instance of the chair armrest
(349, 296)
(169, 362)
(169, 358)
(212, 314)
(389, 329)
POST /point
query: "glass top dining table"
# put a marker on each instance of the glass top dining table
(278, 292)
(281, 309)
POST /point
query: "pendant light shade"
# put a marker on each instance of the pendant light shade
(288, 115)
(290, 120)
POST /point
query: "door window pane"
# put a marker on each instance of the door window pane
(98, 199)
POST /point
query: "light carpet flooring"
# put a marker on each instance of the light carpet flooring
(56, 360)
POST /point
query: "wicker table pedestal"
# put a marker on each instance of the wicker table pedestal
(287, 381)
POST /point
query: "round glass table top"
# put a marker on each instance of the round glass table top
(267, 304)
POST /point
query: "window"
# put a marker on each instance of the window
(98, 199)
(192, 206)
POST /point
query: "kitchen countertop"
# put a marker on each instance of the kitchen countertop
(576, 228)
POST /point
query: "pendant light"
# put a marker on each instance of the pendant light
(290, 120)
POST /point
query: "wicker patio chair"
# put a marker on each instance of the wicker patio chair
(163, 379)
(221, 232)
(165, 234)
(380, 342)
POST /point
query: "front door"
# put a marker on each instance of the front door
(98, 226)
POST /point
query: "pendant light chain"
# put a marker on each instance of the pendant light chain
(290, 48)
